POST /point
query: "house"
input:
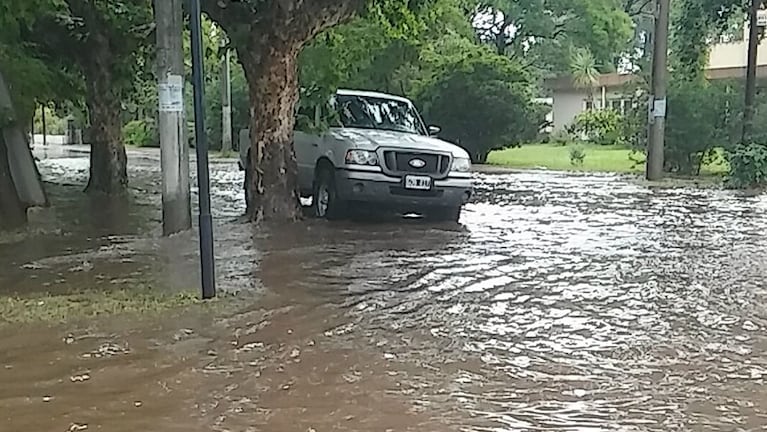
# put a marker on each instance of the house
(727, 60)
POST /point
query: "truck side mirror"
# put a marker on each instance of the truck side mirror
(434, 130)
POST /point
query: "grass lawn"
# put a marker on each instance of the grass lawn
(598, 158)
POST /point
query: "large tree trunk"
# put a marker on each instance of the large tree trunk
(13, 213)
(109, 163)
(268, 42)
(271, 70)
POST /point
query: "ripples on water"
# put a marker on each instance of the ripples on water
(565, 302)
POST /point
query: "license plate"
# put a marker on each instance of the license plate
(418, 182)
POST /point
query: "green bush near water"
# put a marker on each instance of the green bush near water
(140, 133)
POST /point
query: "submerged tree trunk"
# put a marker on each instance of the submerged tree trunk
(268, 42)
(13, 213)
(273, 84)
(109, 163)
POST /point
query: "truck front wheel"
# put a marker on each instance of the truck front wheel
(325, 201)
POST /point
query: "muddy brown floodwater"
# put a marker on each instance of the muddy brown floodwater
(563, 302)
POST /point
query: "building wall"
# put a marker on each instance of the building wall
(565, 107)
(567, 104)
(735, 53)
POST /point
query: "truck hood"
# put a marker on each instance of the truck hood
(372, 139)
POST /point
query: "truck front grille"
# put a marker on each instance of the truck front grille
(434, 164)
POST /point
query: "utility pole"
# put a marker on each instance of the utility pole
(226, 101)
(754, 35)
(207, 260)
(45, 127)
(174, 150)
(658, 97)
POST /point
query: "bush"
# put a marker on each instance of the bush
(700, 119)
(562, 138)
(577, 156)
(603, 127)
(483, 102)
(140, 133)
(748, 166)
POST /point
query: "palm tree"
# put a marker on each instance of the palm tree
(583, 67)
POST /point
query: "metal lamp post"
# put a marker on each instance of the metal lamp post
(208, 270)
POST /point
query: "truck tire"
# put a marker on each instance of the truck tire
(325, 201)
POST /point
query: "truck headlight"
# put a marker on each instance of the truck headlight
(361, 157)
(461, 165)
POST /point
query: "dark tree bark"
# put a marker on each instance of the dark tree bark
(268, 42)
(109, 163)
(13, 213)
(273, 83)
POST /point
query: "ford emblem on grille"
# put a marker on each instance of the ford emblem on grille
(417, 163)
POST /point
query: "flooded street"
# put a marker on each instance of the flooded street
(563, 302)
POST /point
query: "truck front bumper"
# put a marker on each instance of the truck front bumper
(381, 190)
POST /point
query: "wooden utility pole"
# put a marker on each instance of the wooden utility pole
(174, 150)
(226, 102)
(658, 103)
(753, 47)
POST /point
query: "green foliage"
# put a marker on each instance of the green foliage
(213, 105)
(577, 156)
(54, 123)
(603, 127)
(544, 32)
(694, 24)
(748, 166)
(561, 138)
(31, 75)
(140, 133)
(583, 68)
(483, 103)
(701, 118)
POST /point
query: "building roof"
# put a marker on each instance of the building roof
(604, 80)
(734, 72)
(612, 80)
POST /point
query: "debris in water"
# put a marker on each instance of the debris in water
(80, 378)
(76, 427)
(389, 356)
(47, 398)
(69, 339)
(138, 404)
(86, 266)
(295, 353)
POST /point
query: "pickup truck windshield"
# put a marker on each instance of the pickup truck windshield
(378, 113)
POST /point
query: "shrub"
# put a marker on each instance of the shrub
(561, 138)
(577, 156)
(140, 133)
(603, 127)
(748, 166)
(483, 102)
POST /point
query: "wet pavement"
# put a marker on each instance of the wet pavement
(563, 302)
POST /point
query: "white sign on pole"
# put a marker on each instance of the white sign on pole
(171, 94)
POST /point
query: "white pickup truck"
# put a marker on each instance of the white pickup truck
(381, 155)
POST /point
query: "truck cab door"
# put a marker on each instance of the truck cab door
(307, 147)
